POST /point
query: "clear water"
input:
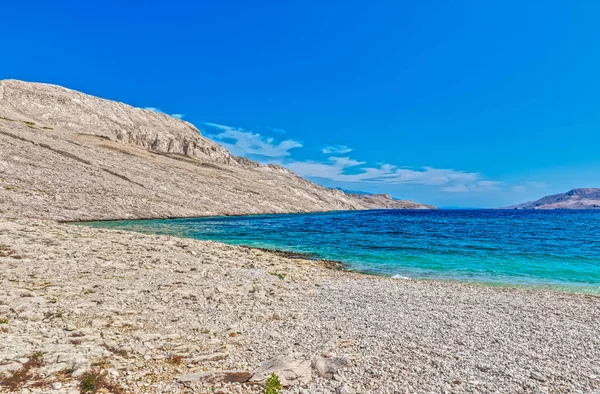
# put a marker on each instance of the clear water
(555, 249)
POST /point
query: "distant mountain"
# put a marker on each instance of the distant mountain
(588, 198)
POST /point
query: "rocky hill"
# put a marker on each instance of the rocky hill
(588, 198)
(70, 156)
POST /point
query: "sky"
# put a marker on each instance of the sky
(451, 103)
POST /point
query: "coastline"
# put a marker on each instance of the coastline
(131, 302)
(568, 287)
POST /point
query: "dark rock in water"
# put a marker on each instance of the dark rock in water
(333, 264)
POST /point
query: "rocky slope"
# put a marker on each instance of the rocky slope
(588, 198)
(70, 156)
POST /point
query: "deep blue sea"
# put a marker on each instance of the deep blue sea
(554, 249)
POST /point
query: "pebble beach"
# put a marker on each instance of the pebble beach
(159, 314)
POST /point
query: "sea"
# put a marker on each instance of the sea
(557, 250)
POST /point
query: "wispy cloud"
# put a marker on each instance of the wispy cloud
(243, 142)
(277, 130)
(476, 186)
(528, 186)
(157, 110)
(340, 167)
(345, 169)
(336, 150)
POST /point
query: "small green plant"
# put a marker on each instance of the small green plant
(95, 381)
(273, 385)
(4, 321)
(90, 382)
(279, 275)
(36, 357)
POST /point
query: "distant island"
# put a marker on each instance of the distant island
(584, 198)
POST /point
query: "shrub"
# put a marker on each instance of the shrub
(95, 381)
(273, 385)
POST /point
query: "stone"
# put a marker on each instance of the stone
(78, 372)
(214, 377)
(344, 389)
(212, 357)
(328, 365)
(292, 369)
(538, 376)
(56, 386)
(342, 343)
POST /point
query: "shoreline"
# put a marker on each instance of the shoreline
(574, 288)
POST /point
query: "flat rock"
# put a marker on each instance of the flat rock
(292, 368)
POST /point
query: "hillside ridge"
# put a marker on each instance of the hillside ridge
(66, 155)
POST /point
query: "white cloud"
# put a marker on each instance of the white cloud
(336, 169)
(537, 185)
(277, 130)
(336, 150)
(157, 110)
(154, 109)
(243, 142)
(529, 185)
(477, 186)
(340, 168)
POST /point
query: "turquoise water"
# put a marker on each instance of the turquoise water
(556, 249)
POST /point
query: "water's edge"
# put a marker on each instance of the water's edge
(342, 266)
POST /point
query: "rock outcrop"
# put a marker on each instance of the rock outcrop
(67, 155)
(585, 198)
(385, 201)
(68, 109)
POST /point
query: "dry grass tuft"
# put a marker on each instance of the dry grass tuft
(19, 378)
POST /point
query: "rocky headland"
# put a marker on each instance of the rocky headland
(583, 198)
(94, 310)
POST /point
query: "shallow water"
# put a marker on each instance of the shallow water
(555, 249)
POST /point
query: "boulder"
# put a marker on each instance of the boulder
(292, 368)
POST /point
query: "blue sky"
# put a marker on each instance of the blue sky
(453, 103)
